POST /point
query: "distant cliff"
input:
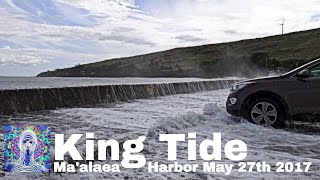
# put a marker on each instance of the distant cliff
(241, 58)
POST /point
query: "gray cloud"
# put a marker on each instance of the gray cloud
(189, 38)
(231, 32)
(21, 60)
(315, 18)
(124, 29)
(126, 39)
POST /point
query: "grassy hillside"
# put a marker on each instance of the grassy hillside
(242, 58)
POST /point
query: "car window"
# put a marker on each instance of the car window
(315, 71)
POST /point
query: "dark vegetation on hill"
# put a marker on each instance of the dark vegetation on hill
(244, 58)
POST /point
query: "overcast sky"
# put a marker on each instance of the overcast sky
(41, 35)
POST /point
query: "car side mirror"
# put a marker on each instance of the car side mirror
(304, 74)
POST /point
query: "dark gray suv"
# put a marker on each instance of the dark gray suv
(273, 100)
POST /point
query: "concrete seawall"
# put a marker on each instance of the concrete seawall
(29, 100)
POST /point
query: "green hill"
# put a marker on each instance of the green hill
(241, 58)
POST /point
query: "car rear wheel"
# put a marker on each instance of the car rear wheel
(265, 111)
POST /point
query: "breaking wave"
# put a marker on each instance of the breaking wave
(212, 113)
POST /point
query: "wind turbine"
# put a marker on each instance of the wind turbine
(282, 25)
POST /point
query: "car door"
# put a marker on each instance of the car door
(313, 84)
(295, 91)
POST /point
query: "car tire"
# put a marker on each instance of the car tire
(265, 111)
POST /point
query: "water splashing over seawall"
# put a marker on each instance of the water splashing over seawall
(28, 100)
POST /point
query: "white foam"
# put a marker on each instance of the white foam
(203, 113)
